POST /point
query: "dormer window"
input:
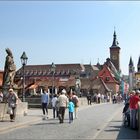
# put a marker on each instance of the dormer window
(107, 78)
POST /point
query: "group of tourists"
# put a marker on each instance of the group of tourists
(130, 109)
(117, 98)
(60, 103)
(97, 98)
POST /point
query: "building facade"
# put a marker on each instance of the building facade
(97, 78)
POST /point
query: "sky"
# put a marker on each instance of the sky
(66, 32)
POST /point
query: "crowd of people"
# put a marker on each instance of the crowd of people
(97, 98)
(60, 103)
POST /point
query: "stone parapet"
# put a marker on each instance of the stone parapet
(22, 109)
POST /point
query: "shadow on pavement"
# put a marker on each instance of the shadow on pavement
(127, 133)
(123, 132)
(50, 122)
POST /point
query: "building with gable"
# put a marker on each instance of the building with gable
(96, 78)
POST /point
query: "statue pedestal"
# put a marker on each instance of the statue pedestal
(22, 110)
(5, 90)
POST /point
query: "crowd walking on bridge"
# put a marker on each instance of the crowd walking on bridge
(60, 103)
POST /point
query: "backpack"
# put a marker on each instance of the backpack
(75, 101)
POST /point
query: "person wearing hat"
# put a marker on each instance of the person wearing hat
(63, 103)
(133, 105)
(12, 100)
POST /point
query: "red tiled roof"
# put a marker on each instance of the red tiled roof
(61, 69)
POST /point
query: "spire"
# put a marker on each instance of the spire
(98, 62)
(90, 62)
(138, 66)
(139, 61)
(115, 42)
(131, 62)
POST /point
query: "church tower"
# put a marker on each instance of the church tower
(137, 75)
(115, 52)
(131, 74)
(138, 65)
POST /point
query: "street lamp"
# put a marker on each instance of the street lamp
(24, 59)
(53, 67)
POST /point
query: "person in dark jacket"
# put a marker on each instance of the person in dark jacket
(89, 98)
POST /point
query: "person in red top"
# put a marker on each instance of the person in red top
(133, 105)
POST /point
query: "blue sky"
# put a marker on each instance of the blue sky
(69, 31)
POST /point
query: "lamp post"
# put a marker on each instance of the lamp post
(24, 59)
(53, 67)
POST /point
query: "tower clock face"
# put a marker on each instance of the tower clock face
(114, 57)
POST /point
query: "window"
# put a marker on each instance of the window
(107, 78)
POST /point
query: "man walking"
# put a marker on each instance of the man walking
(89, 98)
(63, 102)
(45, 102)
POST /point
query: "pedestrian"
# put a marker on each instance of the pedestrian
(99, 98)
(114, 99)
(75, 100)
(133, 105)
(108, 98)
(63, 103)
(126, 114)
(89, 98)
(1, 96)
(102, 98)
(45, 103)
(12, 100)
(54, 106)
(71, 110)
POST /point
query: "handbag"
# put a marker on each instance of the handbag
(13, 105)
(9, 110)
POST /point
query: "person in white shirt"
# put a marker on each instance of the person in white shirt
(99, 98)
(54, 100)
(63, 103)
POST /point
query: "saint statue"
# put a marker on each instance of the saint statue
(9, 70)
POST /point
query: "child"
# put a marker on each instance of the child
(71, 110)
(54, 101)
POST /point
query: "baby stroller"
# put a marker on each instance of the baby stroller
(126, 115)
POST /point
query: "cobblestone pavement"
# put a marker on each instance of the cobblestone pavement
(98, 121)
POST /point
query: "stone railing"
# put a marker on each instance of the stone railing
(22, 109)
(35, 102)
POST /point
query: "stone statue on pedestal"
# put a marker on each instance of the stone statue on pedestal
(9, 71)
